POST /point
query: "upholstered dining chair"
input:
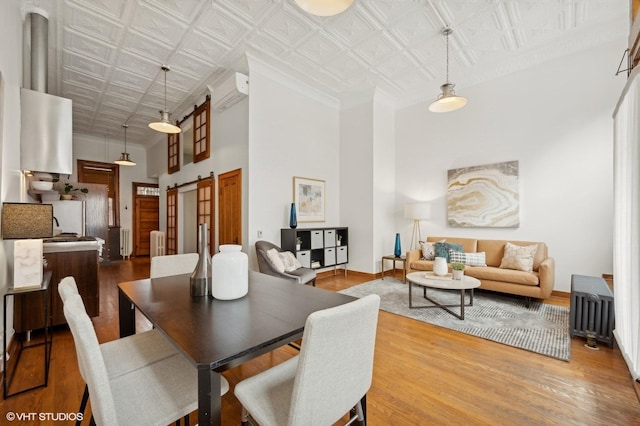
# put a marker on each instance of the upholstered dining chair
(130, 380)
(266, 266)
(330, 376)
(173, 264)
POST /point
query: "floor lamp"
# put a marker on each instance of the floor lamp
(417, 212)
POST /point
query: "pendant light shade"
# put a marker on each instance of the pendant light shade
(164, 125)
(448, 100)
(324, 7)
(124, 159)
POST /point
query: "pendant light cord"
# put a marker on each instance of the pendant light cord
(447, 32)
(165, 89)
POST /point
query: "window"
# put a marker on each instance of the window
(172, 221)
(206, 207)
(201, 132)
(173, 154)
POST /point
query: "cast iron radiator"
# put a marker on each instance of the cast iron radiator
(592, 309)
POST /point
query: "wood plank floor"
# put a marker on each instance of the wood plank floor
(423, 374)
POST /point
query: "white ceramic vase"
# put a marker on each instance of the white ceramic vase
(440, 266)
(230, 273)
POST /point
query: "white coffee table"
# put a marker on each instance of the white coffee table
(427, 279)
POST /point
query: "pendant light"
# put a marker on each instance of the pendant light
(124, 158)
(324, 7)
(164, 125)
(447, 101)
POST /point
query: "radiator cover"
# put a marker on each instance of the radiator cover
(592, 308)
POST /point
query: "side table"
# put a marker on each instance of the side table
(393, 260)
(45, 342)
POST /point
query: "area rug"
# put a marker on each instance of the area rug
(540, 328)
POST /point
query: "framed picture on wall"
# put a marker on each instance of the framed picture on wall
(309, 198)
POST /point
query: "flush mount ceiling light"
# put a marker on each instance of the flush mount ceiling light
(164, 125)
(447, 100)
(124, 158)
(324, 7)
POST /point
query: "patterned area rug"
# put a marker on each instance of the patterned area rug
(540, 328)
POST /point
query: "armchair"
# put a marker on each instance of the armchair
(266, 266)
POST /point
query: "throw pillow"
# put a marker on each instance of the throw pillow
(457, 257)
(289, 261)
(428, 251)
(274, 257)
(442, 249)
(519, 258)
(476, 259)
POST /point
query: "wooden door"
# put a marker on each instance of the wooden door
(171, 243)
(230, 207)
(146, 216)
(206, 207)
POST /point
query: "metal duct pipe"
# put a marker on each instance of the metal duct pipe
(36, 53)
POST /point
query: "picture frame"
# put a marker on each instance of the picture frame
(309, 198)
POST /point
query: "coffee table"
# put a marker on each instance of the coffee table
(427, 279)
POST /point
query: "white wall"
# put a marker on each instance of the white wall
(555, 119)
(11, 180)
(293, 131)
(229, 145)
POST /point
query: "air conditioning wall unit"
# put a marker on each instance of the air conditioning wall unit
(229, 92)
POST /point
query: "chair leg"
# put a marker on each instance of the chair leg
(83, 403)
(361, 420)
(245, 417)
(313, 282)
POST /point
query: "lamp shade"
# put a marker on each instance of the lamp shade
(417, 211)
(164, 125)
(448, 100)
(324, 7)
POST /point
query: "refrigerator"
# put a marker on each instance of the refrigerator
(70, 216)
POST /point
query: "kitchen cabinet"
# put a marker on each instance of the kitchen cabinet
(80, 264)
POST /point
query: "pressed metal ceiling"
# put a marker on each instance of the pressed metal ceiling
(106, 54)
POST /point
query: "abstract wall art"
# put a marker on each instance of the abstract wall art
(484, 196)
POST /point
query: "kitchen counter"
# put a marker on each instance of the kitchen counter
(66, 246)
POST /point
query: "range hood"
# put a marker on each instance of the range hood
(46, 139)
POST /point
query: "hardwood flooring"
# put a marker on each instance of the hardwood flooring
(423, 374)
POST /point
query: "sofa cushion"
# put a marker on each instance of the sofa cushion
(422, 265)
(289, 261)
(503, 275)
(494, 250)
(442, 249)
(457, 257)
(518, 257)
(475, 259)
(274, 257)
(428, 250)
(469, 245)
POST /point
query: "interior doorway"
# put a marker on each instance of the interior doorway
(146, 216)
(230, 207)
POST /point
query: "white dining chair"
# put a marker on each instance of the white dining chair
(138, 371)
(173, 264)
(327, 380)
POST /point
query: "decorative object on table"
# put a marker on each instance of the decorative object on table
(299, 243)
(397, 251)
(541, 328)
(448, 100)
(293, 219)
(40, 185)
(417, 212)
(27, 264)
(201, 276)
(230, 270)
(440, 266)
(309, 198)
(484, 196)
(457, 269)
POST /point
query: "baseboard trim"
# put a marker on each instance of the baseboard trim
(564, 294)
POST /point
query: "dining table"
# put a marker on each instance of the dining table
(217, 335)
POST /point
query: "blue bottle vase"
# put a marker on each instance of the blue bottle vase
(397, 251)
(293, 219)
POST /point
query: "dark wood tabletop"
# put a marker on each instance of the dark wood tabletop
(220, 334)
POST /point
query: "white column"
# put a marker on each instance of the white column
(627, 223)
